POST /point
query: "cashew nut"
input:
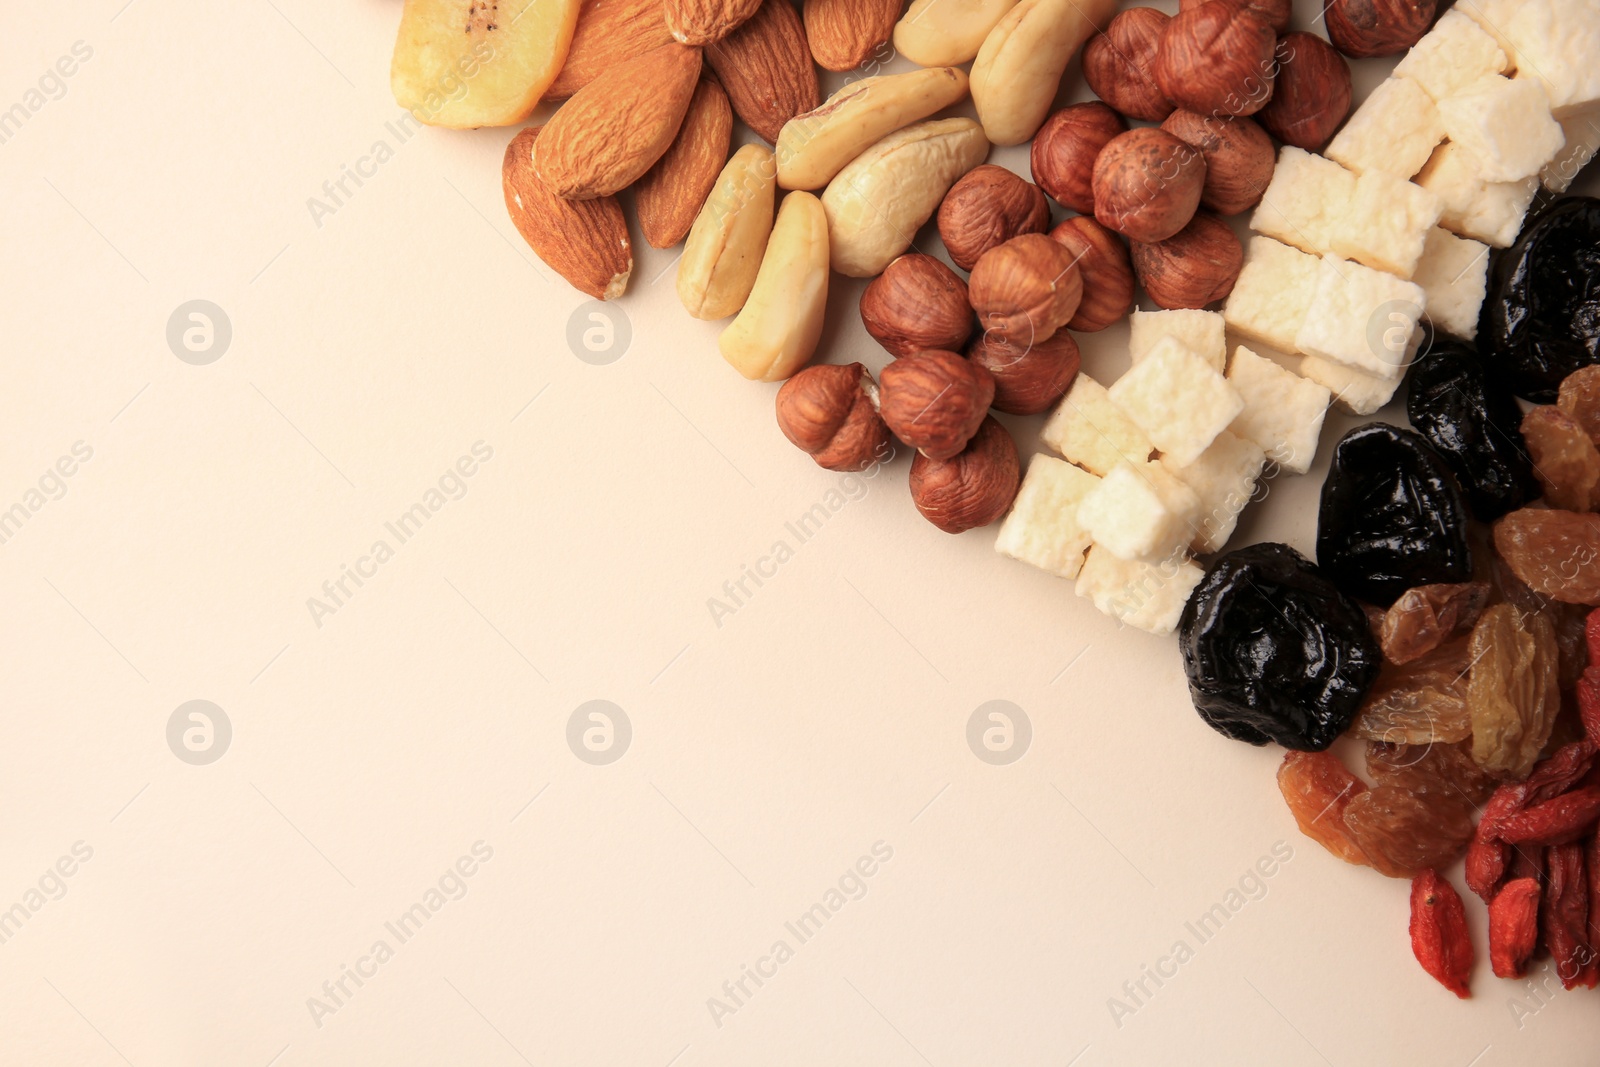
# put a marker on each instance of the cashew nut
(813, 147)
(937, 33)
(781, 323)
(1019, 67)
(879, 201)
(723, 251)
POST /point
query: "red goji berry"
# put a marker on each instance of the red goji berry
(1591, 630)
(1514, 927)
(1565, 768)
(1487, 855)
(1439, 936)
(1592, 865)
(1565, 912)
(1555, 822)
(1589, 701)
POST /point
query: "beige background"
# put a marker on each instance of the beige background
(430, 711)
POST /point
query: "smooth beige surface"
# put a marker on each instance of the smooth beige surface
(429, 712)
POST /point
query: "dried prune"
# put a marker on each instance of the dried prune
(1423, 617)
(1580, 398)
(1512, 692)
(1541, 318)
(1565, 461)
(1554, 553)
(1475, 425)
(1274, 651)
(1401, 832)
(1421, 702)
(1317, 788)
(1447, 770)
(1392, 516)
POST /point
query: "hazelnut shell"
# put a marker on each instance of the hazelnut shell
(1147, 184)
(1106, 269)
(972, 488)
(1065, 148)
(1026, 289)
(917, 303)
(1119, 64)
(1217, 59)
(1239, 158)
(831, 412)
(1028, 379)
(988, 206)
(1312, 93)
(1275, 13)
(1193, 268)
(934, 401)
(1367, 29)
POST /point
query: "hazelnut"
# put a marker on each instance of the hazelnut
(1311, 95)
(989, 206)
(1193, 268)
(1028, 379)
(916, 303)
(1026, 289)
(1065, 148)
(1147, 184)
(972, 488)
(1107, 273)
(1119, 64)
(831, 412)
(1217, 59)
(934, 401)
(1239, 158)
(1366, 29)
(1275, 13)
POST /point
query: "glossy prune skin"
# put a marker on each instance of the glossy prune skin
(1274, 651)
(1392, 516)
(1541, 318)
(1475, 425)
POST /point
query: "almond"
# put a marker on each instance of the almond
(844, 34)
(616, 127)
(703, 22)
(609, 32)
(670, 195)
(766, 67)
(584, 241)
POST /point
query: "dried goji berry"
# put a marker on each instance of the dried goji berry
(1565, 768)
(1589, 702)
(1439, 932)
(1565, 912)
(1592, 865)
(1555, 822)
(1592, 631)
(1487, 855)
(1514, 927)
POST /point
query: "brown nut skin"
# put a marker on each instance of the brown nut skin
(917, 303)
(1195, 267)
(1239, 158)
(1107, 273)
(1065, 149)
(1311, 96)
(1366, 29)
(831, 412)
(1026, 289)
(989, 206)
(1217, 59)
(1147, 184)
(1119, 64)
(934, 401)
(972, 489)
(1275, 13)
(1028, 379)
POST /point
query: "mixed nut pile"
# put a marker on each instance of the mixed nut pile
(1444, 622)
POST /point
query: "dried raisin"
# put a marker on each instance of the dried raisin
(1423, 617)
(1565, 461)
(1580, 398)
(1512, 691)
(1555, 553)
(1401, 832)
(1317, 788)
(1447, 770)
(1439, 936)
(1419, 703)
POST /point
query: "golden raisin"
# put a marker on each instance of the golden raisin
(1565, 461)
(1580, 398)
(1423, 617)
(1556, 554)
(1421, 702)
(1318, 788)
(1512, 692)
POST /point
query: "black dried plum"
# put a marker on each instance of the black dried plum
(1392, 516)
(1274, 651)
(1475, 425)
(1541, 320)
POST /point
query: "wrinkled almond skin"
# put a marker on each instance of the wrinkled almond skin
(1275, 13)
(986, 207)
(844, 34)
(765, 65)
(1028, 380)
(1107, 273)
(1239, 158)
(1064, 152)
(1218, 60)
(705, 22)
(616, 127)
(609, 32)
(1311, 95)
(1195, 267)
(934, 401)
(672, 192)
(973, 488)
(1119, 64)
(1147, 185)
(584, 241)
(915, 304)
(1026, 289)
(831, 413)
(1366, 29)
